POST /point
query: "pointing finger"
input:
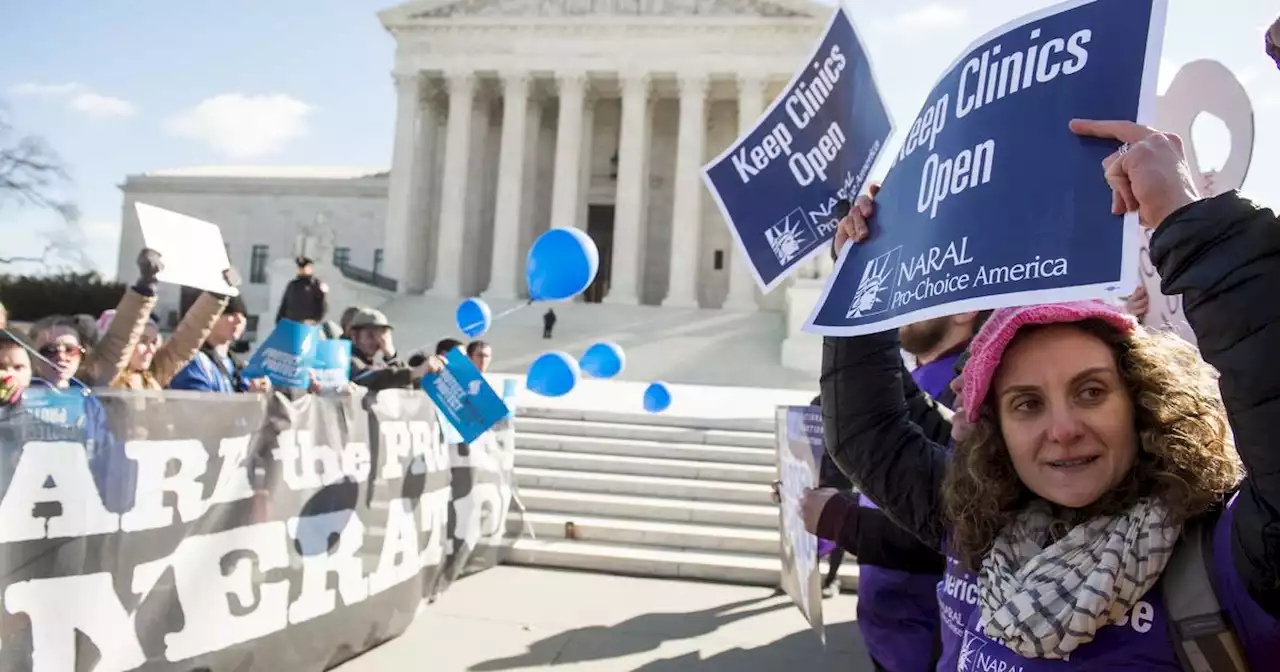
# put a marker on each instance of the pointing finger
(1124, 131)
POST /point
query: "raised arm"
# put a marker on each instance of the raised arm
(115, 347)
(1223, 256)
(871, 435)
(186, 340)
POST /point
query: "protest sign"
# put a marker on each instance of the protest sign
(466, 401)
(800, 446)
(286, 356)
(1200, 87)
(992, 200)
(191, 249)
(780, 186)
(332, 366)
(264, 533)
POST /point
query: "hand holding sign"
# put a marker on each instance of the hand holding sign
(1149, 173)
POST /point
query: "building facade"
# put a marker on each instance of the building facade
(514, 116)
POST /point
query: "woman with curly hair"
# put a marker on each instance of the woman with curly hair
(1090, 449)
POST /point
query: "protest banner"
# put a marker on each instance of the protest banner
(467, 403)
(286, 356)
(800, 447)
(781, 185)
(1200, 87)
(992, 201)
(264, 533)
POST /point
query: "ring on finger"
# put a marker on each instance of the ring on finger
(1123, 148)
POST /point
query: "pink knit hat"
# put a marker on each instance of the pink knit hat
(987, 348)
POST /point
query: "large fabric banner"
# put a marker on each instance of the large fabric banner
(992, 200)
(800, 448)
(780, 186)
(185, 531)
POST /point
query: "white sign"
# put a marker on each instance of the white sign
(191, 249)
(1199, 87)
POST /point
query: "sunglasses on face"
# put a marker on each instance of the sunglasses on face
(55, 349)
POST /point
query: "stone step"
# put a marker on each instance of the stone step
(644, 466)
(684, 536)
(727, 567)
(761, 516)
(645, 432)
(647, 448)
(765, 425)
(655, 486)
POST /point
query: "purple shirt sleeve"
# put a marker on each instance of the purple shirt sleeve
(1259, 633)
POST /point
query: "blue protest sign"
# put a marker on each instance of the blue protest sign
(332, 367)
(463, 397)
(286, 356)
(780, 186)
(992, 200)
(64, 409)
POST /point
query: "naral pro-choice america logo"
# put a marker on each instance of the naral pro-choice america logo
(791, 237)
(877, 281)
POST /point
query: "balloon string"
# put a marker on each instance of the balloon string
(499, 316)
(424, 346)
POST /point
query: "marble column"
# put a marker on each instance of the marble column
(406, 164)
(454, 186)
(633, 168)
(686, 220)
(566, 194)
(510, 206)
(742, 284)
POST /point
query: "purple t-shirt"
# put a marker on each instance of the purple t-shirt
(897, 610)
(1140, 641)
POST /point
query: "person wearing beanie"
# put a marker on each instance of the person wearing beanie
(1106, 473)
(306, 298)
(213, 369)
(156, 360)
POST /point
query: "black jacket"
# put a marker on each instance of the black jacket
(380, 372)
(1223, 256)
(306, 298)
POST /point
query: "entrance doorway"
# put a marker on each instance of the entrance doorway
(600, 228)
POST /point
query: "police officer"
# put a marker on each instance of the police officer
(306, 299)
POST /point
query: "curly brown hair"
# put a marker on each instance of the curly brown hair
(1186, 455)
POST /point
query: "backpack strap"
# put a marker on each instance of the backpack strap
(1202, 638)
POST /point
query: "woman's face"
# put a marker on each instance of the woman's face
(60, 345)
(1065, 414)
(145, 350)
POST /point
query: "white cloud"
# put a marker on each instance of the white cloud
(38, 89)
(98, 105)
(82, 99)
(243, 127)
(929, 18)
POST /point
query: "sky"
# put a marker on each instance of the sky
(121, 88)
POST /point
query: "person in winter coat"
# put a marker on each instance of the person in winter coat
(1087, 444)
(155, 360)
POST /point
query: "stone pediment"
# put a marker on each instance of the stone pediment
(445, 9)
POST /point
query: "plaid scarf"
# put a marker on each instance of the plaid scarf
(1046, 602)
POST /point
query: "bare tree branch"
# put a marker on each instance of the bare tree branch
(32, 175)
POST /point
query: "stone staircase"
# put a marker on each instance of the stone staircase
(649, 495)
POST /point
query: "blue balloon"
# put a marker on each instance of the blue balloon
(473, 317)
(603, 360)
(657, 397)
(561, 264)
(552, 374)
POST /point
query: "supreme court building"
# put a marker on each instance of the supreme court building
(513, 116)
